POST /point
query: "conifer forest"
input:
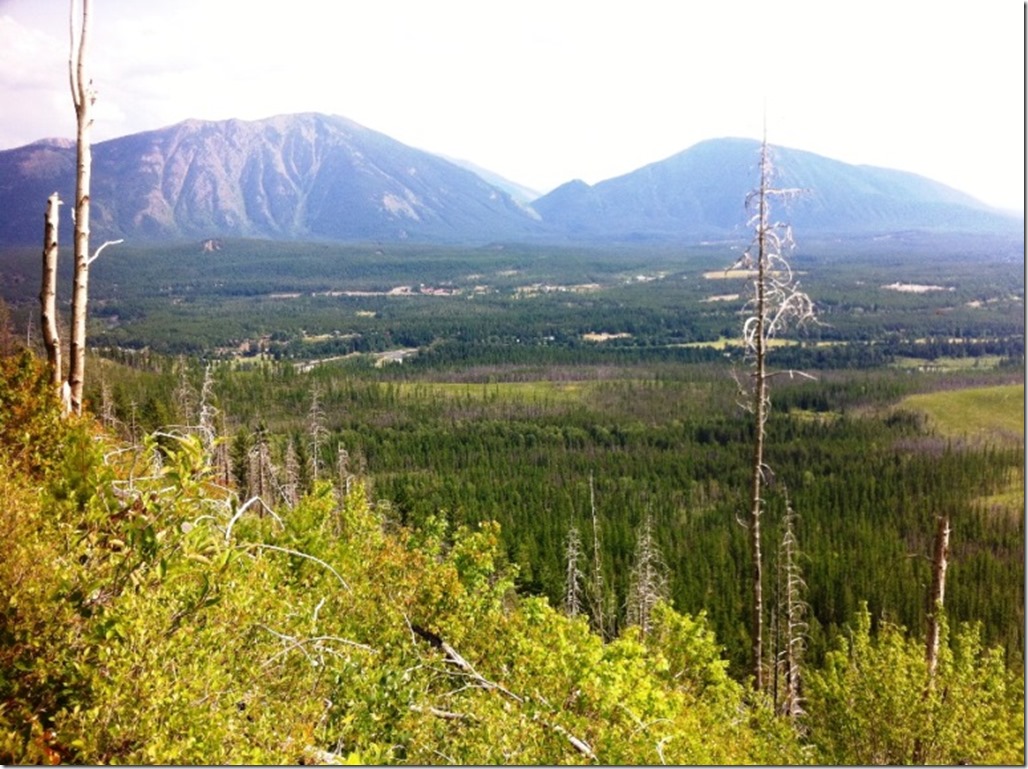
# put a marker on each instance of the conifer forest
(501, 514)
(745, 501)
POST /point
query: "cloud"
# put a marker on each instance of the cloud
(29, 59)
(543, 92)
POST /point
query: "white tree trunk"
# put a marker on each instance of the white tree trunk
(48, 294)
(938, 598)
(83, 97)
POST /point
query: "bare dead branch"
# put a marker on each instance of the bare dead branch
(482, 682)
(96, 254)
(298, 554)
(444, 714)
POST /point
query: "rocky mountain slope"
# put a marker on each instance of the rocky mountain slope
(299, 176)
(313, 176)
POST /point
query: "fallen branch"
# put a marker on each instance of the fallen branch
(444, 714)
(242, 509)
(299, 643)
(455, 658)
(298, 554)
(468, 669)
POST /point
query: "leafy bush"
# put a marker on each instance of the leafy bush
(873, 702)
(149, 615)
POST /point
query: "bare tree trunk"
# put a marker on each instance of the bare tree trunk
(83, 97)
(597, 591)
(939, 562)
(290, 489)
(791, 617)
(48, 294)
(775, 303)
(316, 430)
(648, 580)
(935, 611)
(573, 574)
(759, 422)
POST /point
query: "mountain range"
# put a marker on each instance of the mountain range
(318, 177)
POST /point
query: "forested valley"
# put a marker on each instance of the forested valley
(408, 504)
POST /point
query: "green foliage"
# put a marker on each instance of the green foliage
(151, 613)
(31, 428)
(517, 444)
(176, 623)
(873, 702)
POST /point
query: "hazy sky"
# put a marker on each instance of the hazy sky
(545, 91)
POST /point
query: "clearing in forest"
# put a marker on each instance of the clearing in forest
(986, 413)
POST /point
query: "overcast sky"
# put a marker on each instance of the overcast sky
(545, 91)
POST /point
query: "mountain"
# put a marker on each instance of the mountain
(520, 193)
(312, 176)
(298, 176)
(700, 193)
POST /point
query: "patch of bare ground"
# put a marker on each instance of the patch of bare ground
(915, 288)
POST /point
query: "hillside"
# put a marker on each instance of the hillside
(318, 177)
(297, 176)
(700, 193)
(180, 622)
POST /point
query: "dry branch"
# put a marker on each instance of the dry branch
(482, 682)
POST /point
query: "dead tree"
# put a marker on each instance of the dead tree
(184, 396)
(791, 620)
(475, 679)
(573, 574)
(648, 579)
(775, 303)
(597, 591)
(48, 296)
(936, 618)
(83, 96)
(207, 413)
(290, 486)
(316, 430)
(935, 609)
(260, 472)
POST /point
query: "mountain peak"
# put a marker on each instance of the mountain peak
(316, 176)
(699, 193)
(289, 176)
(55, 142)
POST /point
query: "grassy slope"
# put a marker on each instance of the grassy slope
(979, 413)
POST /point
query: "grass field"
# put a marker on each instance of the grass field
(982, 413)
(948, 363)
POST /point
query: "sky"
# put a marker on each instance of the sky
(546, 91)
